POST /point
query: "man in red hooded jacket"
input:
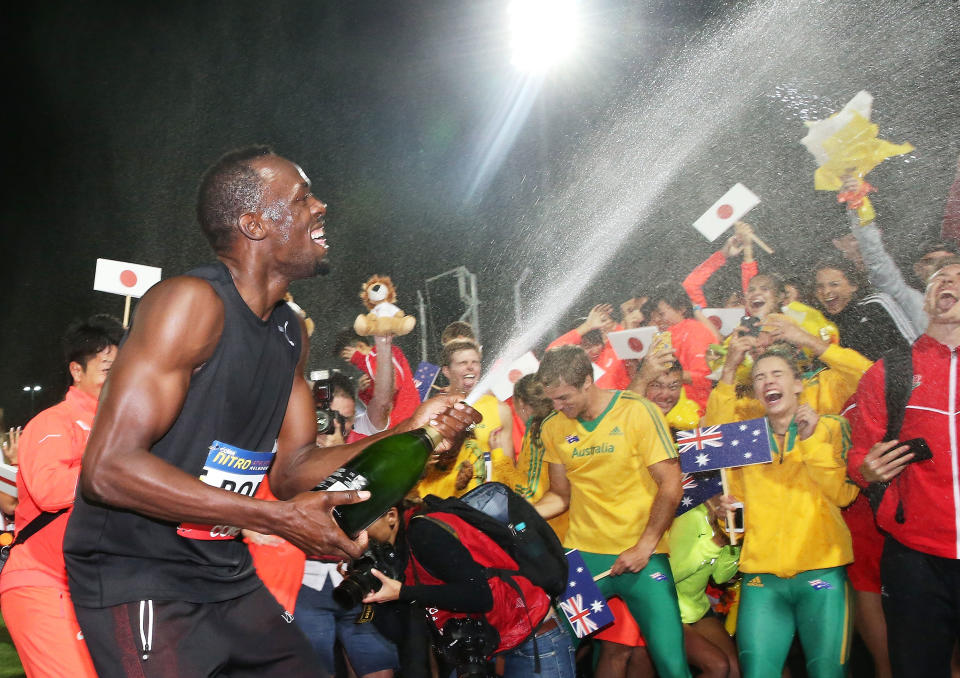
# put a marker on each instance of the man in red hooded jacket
(920, 506)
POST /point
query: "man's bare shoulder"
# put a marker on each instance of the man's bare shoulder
(183, 314)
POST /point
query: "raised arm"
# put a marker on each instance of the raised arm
(384, 387)
(883, 271)
(698, 277)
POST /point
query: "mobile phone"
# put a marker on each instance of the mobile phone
(662, 339)
(921, 451)
(751, 324)
(737, 517)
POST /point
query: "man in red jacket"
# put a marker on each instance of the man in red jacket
(33, 589)
(920, 508)
(591, 335)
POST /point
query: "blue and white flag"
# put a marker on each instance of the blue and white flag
(697, 488)
(741, 443)
(582, 603)
(424, 377)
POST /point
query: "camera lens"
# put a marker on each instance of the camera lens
(324, 422)
(348, 594)
(358, 583)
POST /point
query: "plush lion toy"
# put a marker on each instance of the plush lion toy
(378, 295)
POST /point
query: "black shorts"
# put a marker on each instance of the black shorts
(250, 636)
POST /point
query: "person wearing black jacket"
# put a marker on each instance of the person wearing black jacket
(464, 588)
(869, 323)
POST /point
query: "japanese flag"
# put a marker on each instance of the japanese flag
(119, 277)
(597, 372)
(726, 320)
(724, 212)
(506, 376)
(8, 479)
(634, 343)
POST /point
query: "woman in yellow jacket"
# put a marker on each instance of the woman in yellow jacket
(796, 543)
(826, 389)
(530, 480)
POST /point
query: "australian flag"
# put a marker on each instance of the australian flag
(582, 603)
(697, 488)
(424, 377)
(741, 443)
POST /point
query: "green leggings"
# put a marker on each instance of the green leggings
(817, 603)
(651, 596)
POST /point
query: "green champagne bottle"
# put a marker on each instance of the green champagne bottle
(388, 469)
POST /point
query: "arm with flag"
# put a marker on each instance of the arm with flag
(582, 603)
(659, 456)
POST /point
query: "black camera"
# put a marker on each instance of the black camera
(327, 418)
(466, 643)
(751, 324)
(359, 580)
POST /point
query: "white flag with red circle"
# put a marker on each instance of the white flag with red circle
(505, 377)
(724, 212)
(632, 344)
(726, 320)
(120, 277)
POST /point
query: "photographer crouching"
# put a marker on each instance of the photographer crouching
(473, 616)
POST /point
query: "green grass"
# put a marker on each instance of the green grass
(10, 666)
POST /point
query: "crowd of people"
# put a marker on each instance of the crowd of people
(183, 537)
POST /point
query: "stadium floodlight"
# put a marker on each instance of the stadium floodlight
(543, 33)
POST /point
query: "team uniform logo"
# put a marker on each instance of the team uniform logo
(283, 329)
(232, 469)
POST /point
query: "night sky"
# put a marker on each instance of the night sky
(115, 108)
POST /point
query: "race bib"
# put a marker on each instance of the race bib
(235, 470)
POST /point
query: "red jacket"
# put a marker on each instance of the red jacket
(929, 490)
(614, 371)
(693, 283)
(691, 339)
(50, 452)
(406, 399)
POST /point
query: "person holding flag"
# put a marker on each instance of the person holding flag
(614, 466)
(796, 542)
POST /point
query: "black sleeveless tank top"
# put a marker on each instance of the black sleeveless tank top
(225, 435)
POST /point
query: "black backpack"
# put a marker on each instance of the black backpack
(514, 525)
(512, 522)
